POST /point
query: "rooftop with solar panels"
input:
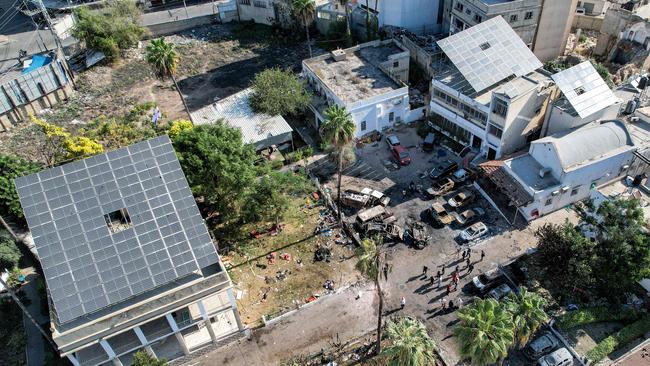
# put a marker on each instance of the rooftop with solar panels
(118, 233)
(488, 58)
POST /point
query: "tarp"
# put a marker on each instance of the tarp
(38, 61)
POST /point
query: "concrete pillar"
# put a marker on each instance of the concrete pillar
(73, 360)
(233, 304)
(206, 321)
(177, 333)
(144, 342)
(111, 354)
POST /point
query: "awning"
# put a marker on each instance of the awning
(494, 171)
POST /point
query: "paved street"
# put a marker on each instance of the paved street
(310, 329)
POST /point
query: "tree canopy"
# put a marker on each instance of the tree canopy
(9, 253)
(111, 29)
(278, 92)
(410, 344)
(12, 167)
(142, 358)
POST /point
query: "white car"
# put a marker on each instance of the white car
(473, 232)
(500, 292)
(483, 280)
(560, 357)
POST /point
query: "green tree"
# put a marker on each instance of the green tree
(12, 167)
(485, 332)
(267, 201)
(527, 309)
(370, 259)
(278, 92)
(338, 130)
(218, 165)
(142, 358)
(566, 258)
(59, 144)
(9, 252)
(305, 10)
(13, 280)
(410, 344)
(164, 60)
(111, 29)
(623, 245)
(179, 126)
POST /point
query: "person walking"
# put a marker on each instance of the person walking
(451, 304)
(469, 254)
(402, 303)
(457, 268)
(438, 274)
(443, 303)
(460, 303)
(458, 251)
(424, 271)
(470, 268)
(455, 285)
(432, 281)
(464, 254)
(467, 263)
(448, 288)
(482, 255)
(439, 281)
(443, 270)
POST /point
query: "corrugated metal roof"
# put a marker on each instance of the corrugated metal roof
(236, 110)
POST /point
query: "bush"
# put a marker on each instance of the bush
(9, 253)
(277, 164)
(12, 167)
(582, 39)
(595, 315)
(618, 339)
(422, 128)
(279, 92)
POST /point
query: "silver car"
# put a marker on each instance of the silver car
(560, 357)
(500, 292)
(541, 346)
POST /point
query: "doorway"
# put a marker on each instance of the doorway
(492, 154)
(476, 142)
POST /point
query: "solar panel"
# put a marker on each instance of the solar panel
(488, 53)
(585, 90)
(113, 226)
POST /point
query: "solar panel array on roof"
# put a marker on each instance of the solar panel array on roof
(585, 90)
(488, 53)
(113, 226)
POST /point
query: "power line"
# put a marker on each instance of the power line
(7, 21)
(13, 6)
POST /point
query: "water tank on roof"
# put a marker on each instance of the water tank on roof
(643, 82)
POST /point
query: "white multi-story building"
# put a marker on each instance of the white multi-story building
(489, 91)
(368, 80)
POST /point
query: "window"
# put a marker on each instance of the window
(459, 24)
(245, 2)
(575, 190)
(478, 18)
(500, 107)
(259, 4)
(391, 116)
(468, 12)
(485, 46)
(396, 64)
(40, 88)
(118, 220)
(363, 125)
(513, 18)
(529, 15)
(459, 7)
(495, 130)
(549, 201)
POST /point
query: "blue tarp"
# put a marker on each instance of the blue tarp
(38, 61)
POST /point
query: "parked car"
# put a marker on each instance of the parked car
(443, 169)
(500, 292)
(461, 199)
(460, 175)
(483, 281)
(468, 216)
(473, 232)
(440, 215)
(392, 141)
(560, 357)
(541, 346)
(401, 155)
(427, 144)
(440, 187)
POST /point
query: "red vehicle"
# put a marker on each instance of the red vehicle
(401, 154)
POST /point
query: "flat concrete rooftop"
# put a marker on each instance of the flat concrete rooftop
(358, 76)
(527, 170)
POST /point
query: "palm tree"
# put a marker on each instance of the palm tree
(527, 309)
(369, 264)
(485, 332)
(338, 130)
(305, 10)
(164, 60)
(410, 344)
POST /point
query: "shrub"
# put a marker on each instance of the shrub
(620, 338)
(277, 164)
(279, 92)
(595, 315)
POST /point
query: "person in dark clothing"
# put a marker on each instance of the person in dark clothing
(470, 268)
(424, 270)
(464, 254)
(448, 289)
(467, 263)
(482, 255)
(457, 269)
(451, 304)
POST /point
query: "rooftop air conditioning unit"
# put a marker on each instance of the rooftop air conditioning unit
(555, 193)
(565, 189)
(338, 55)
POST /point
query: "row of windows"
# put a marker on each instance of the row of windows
(495, 130)
(256, 3)
(455, 131)
(467, 110)
(478, 18)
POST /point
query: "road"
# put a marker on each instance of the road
(310, 329)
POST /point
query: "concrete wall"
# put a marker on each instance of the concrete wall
(553, 28)
(558, 120)
(376, 113)
(587, 22)
(418, 16)
(421, 57)
(260, 14)
(615, 21)
(172, 26)
(521, 112)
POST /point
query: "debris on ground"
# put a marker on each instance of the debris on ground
(322, 254)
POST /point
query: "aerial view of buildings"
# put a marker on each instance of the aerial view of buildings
(325, 182)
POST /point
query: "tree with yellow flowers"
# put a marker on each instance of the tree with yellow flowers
(60, 144)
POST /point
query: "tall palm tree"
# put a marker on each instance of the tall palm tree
(527, 309)
(338, 130)
(305, 10)
(369, 263)
(164, 60)
(485, 332)
(410, 344)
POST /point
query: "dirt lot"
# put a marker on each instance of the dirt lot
(216, 61)
(288, 283)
